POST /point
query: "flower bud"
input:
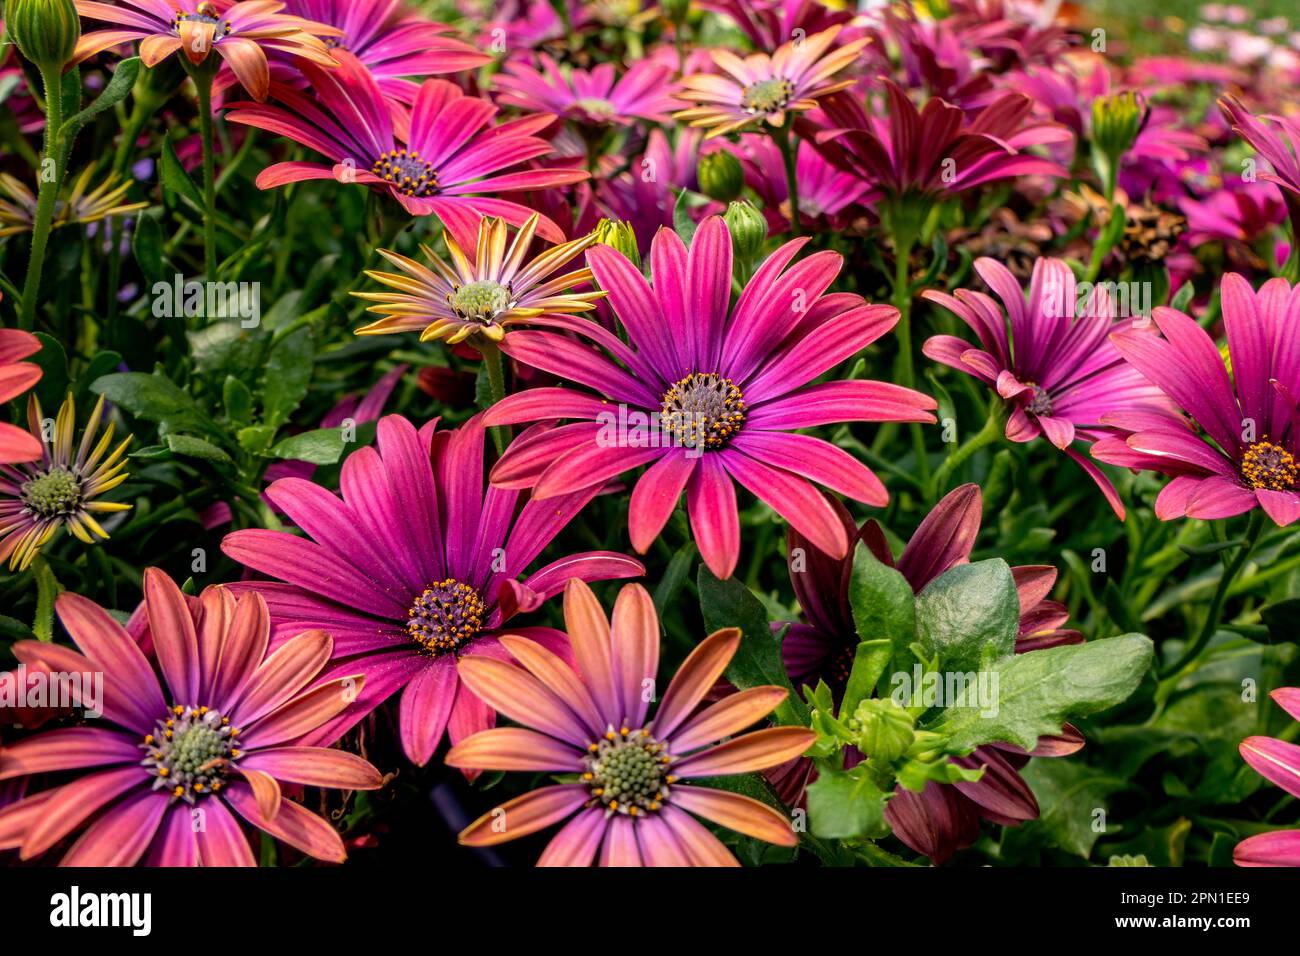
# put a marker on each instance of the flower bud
(748, 230)
(45, 31)
(1116, 122)
(618, 234)
(884, 729)
(721, 177)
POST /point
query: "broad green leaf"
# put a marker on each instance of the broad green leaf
(1068, 793)
(323, 446)
(758, 661)
(843, 804)
(154, 398)
(883, 605)
(238, 401)
(192, 447)
(967, 613)
(288, 372)
(52, 389)
(1039, 691)
(147, 244)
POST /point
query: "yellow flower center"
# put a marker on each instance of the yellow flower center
(445, 617)
(703, 410)
(1269, 466)
(767, 96)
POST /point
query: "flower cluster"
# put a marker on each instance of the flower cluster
(431, 335)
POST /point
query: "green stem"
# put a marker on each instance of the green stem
(1215, 613)
(990, 433)
(48, 195)
(493, 365)
(203, 82)
(788, 148)
(905, 373)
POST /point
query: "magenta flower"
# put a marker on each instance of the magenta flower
(1056, 371)
(1249, 454)
(769, 23)
(392, 41)
(16, 376)
(413, 568)
(594, 97)
(1273, 145)
(446, 159)
(1277, 761)
(222, 733)
(241, 34)
(943, 818)
(707, 395)
(631, 802)
(936, 150)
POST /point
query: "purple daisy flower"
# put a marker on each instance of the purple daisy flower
(1055, 370)
(1277, 761)
(943, 818)
(936, 150)
(1250, 454)
(412, 568)
(638, 787)
(706, 394)
(444, 159)
(213, 742)
(392, 41)
(595, 97)
(1283, 157)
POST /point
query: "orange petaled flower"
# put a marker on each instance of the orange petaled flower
(241, 34)
(478, 298)
(632, 800)
(761, 88)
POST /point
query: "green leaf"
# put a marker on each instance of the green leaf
(883, 605)
(154, 398)
(758, 661)
(192, 447)
(1068, 793)
(1039, 691)
(670, 585)
(175, 180)
(147, 244)
(52, 389)
(47, 589)
(967, 613)
(324, 446)
(288, 372)
(118, 88)
(843, 804)
(869, 663)
(255, 439)
(238, 401)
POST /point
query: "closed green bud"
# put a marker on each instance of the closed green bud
(1116, 122)
(618, 234)
(884, 730)
(45, 31)
(748, 230)
(721, 177)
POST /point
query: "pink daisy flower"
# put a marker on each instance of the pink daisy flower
(413, 568)
(1278, 762)
(16, 377)
(445, 158)
(633, 802)
(761, 88)
(215, 741)
(241, 34)
(1249, 454)
(595, 97)
(719, 392)
(1056, 371)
